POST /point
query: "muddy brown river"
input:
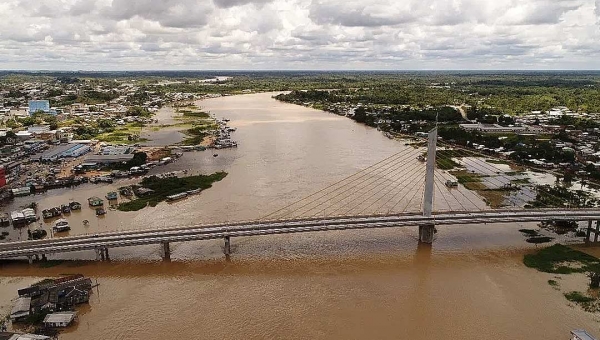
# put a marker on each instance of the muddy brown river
(369, 284)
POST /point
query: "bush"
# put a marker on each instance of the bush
(578, 297)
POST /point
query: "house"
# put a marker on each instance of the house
(59, 294)
(59, 319)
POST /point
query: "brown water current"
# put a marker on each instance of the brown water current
(368, 284)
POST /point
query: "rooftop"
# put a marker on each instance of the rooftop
(60, 317)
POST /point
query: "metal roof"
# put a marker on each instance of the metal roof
(28, 337)
(581, 334)
(60, 317)
(21, 305)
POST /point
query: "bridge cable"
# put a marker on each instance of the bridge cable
(323, 192)
(382, 176)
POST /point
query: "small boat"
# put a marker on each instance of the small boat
(66, 209)
(30, 215)
(193, 192)
(75, 206)
(100, 212)
(111, 195)
(175, 197)
(46, 213)
(215, 154)
(127, 192)
(95, 201)
(17, 218)
(56, 211)
(37, 234)
(61, 225)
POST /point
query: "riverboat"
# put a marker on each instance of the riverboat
(37, 234)
(61, 225)
(95, 201)
(75, 206)
(17, 218)
(100, 212)
(126, 191)
(30, 215)
(46, 213)
(66, 209)
(176, 197)
(193, 192)
(111, 196)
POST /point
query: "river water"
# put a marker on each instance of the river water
(338, 285)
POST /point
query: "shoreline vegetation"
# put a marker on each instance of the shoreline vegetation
(163, 187)
(195, 123)
(563, 260)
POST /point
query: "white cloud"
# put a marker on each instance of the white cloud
(295, 34)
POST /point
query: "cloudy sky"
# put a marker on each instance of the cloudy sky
(299, 34)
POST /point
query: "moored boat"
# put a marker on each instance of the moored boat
(75, 206)
(176, 197)
(61, 225)
(100, 212)
(66, 209)
(37, 234)
(111, 196)
(29, 214)
(46, 213)
(95, 201)
(193, 192)
(126, 191)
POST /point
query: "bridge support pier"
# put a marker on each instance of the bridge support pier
(44, 258)
(426, 233)
(106, 254)
(227, 248)
(30, 259)
(98, 258)
(165, 251)
(588, 233)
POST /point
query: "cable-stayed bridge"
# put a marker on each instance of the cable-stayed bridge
(410, 188)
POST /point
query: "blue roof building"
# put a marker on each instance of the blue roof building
(39, 105)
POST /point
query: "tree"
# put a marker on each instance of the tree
(138, 111)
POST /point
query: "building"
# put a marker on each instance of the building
(108, 159)
(39, 105)
(16, 336)
(63, 151)
(59, 319)
(495, 128)
(59, 294)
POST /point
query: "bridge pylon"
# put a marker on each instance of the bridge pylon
(426, 232)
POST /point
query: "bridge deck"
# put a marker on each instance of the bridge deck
(217, 231)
